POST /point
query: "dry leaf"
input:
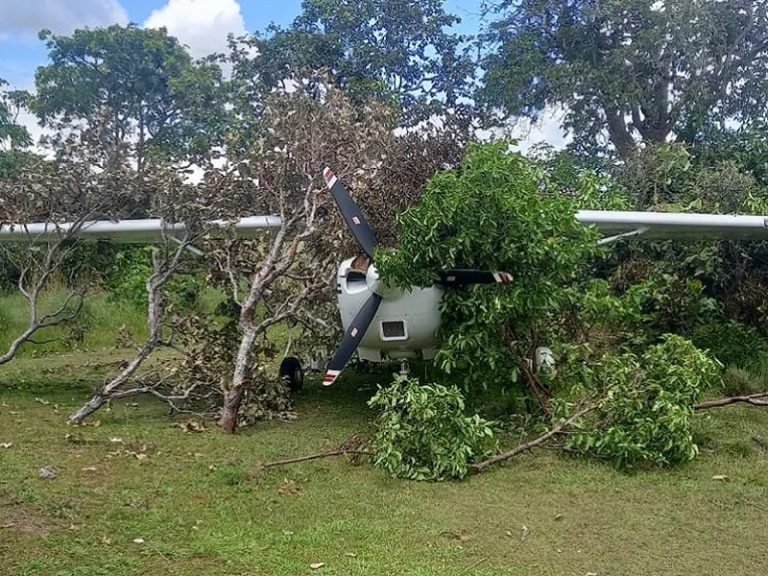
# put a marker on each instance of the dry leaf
(289, 487)
(6, 444)
(47, 473)
(116, 440)
(350, 554)
(140, 455)
(721, 477)
(316, 565)
(89, 469)
(192, 426)
(138, 540)
(106, 541)
(525, 532)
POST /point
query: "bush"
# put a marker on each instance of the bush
(647, 407)
(422, 432)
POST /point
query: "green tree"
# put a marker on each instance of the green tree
(14, 138)
(642, 70)
(132, 93)
(402, 51)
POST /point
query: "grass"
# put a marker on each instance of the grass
(95, 329)
(201, 504)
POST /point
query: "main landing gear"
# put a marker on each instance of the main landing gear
(292, 373)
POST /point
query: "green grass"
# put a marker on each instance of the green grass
(96, 328)
(203, 507)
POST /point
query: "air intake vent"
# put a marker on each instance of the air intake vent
(393, 330)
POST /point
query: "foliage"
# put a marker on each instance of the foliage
(495, 213)
(14, 138)
(398, 51)
(671, 303)
(132, 93)
(646, 409)
(587, 180)
(422, 432)
(672, 68)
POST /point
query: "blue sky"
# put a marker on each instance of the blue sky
(201, 24)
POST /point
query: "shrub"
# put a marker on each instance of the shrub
(422, 432)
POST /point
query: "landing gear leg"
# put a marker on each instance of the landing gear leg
(405, 369)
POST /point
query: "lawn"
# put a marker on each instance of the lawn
(138, 495)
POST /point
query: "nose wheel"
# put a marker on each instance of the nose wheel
(405, 368)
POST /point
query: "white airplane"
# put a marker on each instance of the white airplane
(383, 323)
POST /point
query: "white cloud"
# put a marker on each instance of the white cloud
(202, 25)
(28, 17)
(548, 130)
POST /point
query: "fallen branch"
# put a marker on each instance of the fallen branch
(329, 454)
(760, 399)
(503, 456)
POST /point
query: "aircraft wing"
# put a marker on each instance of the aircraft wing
(147, 231)
(661, 225)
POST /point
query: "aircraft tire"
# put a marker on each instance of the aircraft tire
(292, 373)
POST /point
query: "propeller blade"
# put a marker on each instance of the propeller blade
(466, 277)
(352, 338)
(351, 213)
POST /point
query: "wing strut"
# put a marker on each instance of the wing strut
(630, 234)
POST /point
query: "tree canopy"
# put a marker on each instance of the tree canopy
(403, 51)
(131, 92)
(14, 138)
(630, 68)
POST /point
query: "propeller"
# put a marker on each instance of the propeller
(364, 236)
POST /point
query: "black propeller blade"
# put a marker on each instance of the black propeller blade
(465, 277)
(354, 218)
(352, 338)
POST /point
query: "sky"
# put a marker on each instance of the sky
(202, 25)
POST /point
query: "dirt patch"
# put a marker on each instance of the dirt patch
(23, 520)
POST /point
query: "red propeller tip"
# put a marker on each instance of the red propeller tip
(330, 377)
(329, 176)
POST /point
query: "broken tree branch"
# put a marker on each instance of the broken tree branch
(319, 455)
(503, 456)
(760, 399)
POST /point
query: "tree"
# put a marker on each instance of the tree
(647, 70)
(399, 51)
(277, 279)
(14, 138)
(494, 213)
(132, 94)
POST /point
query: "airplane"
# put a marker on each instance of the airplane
(382, 323)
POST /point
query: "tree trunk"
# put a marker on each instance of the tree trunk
(619, 133)
(233, 394)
